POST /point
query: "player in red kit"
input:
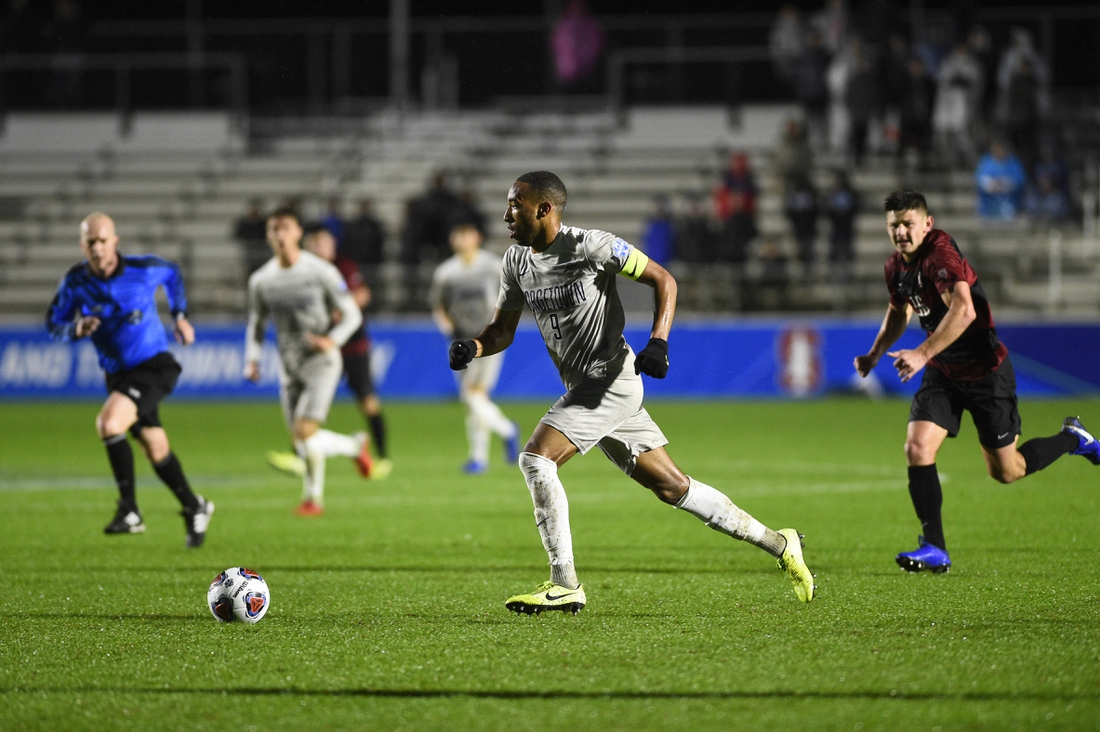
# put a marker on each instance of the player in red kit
(969, 369)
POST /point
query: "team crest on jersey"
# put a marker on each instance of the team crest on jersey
(620, 249)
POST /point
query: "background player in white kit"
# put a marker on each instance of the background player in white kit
(566, 276)
(463, 293)
(300, 291)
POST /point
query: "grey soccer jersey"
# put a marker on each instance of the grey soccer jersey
(300, 299)
(467, 292)
(571, 290)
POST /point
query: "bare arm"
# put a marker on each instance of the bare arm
(960, 314)
(499, 333)
(893, 325)
(664, 286)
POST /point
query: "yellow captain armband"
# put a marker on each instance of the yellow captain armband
(635, 264)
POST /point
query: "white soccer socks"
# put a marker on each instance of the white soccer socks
(551, 516)
(713, 508)
(331, 444)
(484, 417)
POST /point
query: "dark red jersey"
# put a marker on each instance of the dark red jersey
(358, 344)
(937, 266)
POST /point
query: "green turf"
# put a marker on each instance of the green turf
(388, 612)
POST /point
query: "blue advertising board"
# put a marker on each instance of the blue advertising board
(781, 358)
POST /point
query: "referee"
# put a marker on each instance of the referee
(111, 298)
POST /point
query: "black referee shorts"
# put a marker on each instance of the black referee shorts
(146, 385)
(991, 402)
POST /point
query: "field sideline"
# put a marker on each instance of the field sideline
(387, 612)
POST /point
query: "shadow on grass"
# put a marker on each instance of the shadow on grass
(566, 694)
(159, 617)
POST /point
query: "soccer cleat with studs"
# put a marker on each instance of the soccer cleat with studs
(309, 507)
(925, 558)
(363, 461)
(475, 467)
(286, 462)
(791, 562)
(126, 521)
(1087, 446)
(548, 596)
(197, 521)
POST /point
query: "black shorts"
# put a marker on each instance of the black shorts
(146, 385)
(357, 370)
(990, 400)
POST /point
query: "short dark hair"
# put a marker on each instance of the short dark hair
(545, 183)
(288, 212)
(905, 200)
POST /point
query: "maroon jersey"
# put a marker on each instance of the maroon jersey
(937, 266)
(358, 344)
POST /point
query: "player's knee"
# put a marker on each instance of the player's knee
(918, 452)
(1004, 473)
(108, 425)
(669, 490)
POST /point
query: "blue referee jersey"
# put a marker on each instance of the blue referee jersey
(130, 330)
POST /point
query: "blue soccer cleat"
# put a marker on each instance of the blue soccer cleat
(475, 467)
(511, 447)
(1087, 446)
(925, 558)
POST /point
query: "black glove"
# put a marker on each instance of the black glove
(460, 354)
(653, 360)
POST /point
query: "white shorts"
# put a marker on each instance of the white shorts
(608, 414)
(481, 373)
(308, 392)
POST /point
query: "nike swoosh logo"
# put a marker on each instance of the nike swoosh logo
(557, 597)
(1001, 437)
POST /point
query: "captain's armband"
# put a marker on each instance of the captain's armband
(635, 264)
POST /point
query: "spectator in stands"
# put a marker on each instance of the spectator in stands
(466, 211)
(577, 43)
(793, 155)
(1022, 111)
(981, 49)
(836, 78)
(842, 207)
(862, 97)
(427, 223)
(1048, 198)
(364, 237)
(800, 205)
(895, 69)
(932, 47)
(332, 220)
(695, 241)
(785, 44)
(1000, 179)
(1022, 48)
(831, 24)
(659, 232)
(811, 88)
(734, 202)
(958, 94)
(915, 131)
(250, 231)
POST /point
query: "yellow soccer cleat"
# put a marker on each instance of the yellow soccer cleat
(791, 562)
(548, 596)
(382, 468)
(286, 462)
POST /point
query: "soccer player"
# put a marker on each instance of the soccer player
(111, 298)
(356, 356)
(566, 276)
(969, 369)
(301, 291)
(463, 292)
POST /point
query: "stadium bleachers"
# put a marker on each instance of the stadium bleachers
(176, 184)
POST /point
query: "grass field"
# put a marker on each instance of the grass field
(387, 612)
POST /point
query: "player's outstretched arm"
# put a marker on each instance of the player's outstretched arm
(893, 325)
(653, 359)
(185, 332)
(960, 314)
(495, 338)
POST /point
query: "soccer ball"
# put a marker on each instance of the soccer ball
(238, 593)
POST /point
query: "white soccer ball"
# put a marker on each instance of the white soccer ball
(238, 593)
